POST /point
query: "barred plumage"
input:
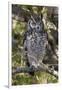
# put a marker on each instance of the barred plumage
(35, 42)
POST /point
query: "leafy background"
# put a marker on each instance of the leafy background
(20, 16)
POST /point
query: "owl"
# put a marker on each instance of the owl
(35, 41)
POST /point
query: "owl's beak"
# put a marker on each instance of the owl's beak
(33, 34)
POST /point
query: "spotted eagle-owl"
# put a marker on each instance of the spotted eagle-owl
(35, 41)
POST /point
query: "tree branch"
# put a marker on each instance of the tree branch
(29, 69)
(19, 13)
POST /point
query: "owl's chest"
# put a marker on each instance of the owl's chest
(36, 43)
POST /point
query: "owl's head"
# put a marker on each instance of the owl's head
(35, 23)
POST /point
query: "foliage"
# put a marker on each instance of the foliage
(18, 59)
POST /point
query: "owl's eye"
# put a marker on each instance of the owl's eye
(37, 27)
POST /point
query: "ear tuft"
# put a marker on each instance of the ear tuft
(41, 16)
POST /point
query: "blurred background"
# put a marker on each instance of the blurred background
(20, 16)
